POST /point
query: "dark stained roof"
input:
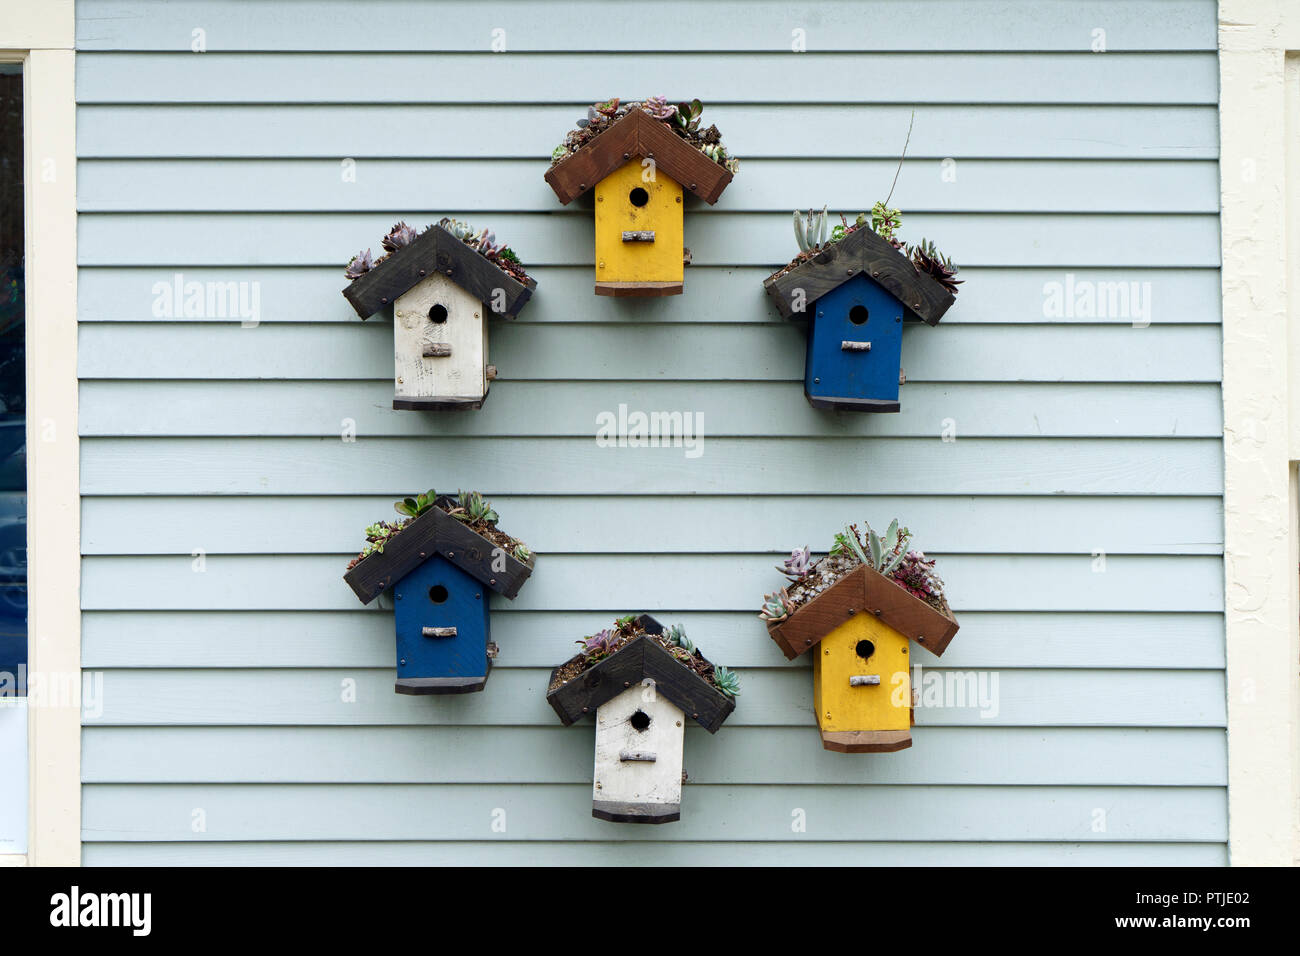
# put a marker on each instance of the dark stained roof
(436, 532)
(632, 663)
(861, 252)
(438, 250)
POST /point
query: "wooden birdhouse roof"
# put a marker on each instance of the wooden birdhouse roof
(435, 250)
(864, 590)
(638, 135)
(861, 252)
(436, 532)
(640, 658)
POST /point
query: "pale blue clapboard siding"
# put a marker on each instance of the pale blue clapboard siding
(498, 186)
(152, 524)
(363, 638)
(1004, 756)
(1077, 515)
(1075, 77)
(307, 294)
(860, 132)
(602, 853)
(1060, 240)
(467, 26)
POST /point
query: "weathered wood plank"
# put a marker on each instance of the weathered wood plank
(437, 532)
(860, 252)
(436, 250)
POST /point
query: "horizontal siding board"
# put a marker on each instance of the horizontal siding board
(971, 466)
(689, 582)
(960, 756)
(361, 638)
(756, 812)
(1077, 516)
(700, 524)
(468, 131)
(770, 350)
(615, 854)
(132, 408)
(516, 186)
(716, 78)
(770, 697)
(723, 238)
(989, 296)
(468, 27)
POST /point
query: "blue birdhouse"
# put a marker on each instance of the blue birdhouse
(855, 295)
(440, 572)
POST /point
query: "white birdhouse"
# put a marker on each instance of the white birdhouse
(442, 292)
(642, 697)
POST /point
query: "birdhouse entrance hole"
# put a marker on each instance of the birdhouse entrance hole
(639, 721)
(438, 314)
(638, 197)
(858, 315)
(865, 649)
(438, 594)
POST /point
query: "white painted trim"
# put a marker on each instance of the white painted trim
(1260, 516)
(42, 36)
(11, 859)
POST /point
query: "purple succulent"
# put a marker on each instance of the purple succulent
(798, 564)
(400, 235)
(361, 263)
(660, 108)
(601, 642)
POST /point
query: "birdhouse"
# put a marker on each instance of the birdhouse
(859, 631)
(442, 289)
(855, 295)
(440, 572)
(640, 170)
(641, 695)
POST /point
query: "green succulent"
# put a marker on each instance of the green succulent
(777, 606)
(885, 221)
(810, 232)
(414, 507)
(475, 509)
(882, 552)
(726, 680)
(677, 634)
(521, 552)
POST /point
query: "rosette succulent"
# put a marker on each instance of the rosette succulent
(360, 264)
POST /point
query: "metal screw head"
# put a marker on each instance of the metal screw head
(582, 185)
(421, 272)
(876, 612)
(492, 581)
(692, 185)
(477, 596)
(679, 198)
(808, 642)
(584, 710)
(695, 716)
(402, 661)
(817, 381)
(384, 300)
(827, 653)
(627, 683)
(451, 554)
(852, 611)
(921, 639)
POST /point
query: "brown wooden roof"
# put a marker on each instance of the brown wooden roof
(638, 135)
(863, 591)
(861, 251)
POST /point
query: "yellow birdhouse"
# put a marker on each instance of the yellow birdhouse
(859, 631)
(641, 171)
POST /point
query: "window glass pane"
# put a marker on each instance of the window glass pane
(13, 471)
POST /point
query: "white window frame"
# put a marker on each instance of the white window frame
(40, 34)
(1259, 128)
